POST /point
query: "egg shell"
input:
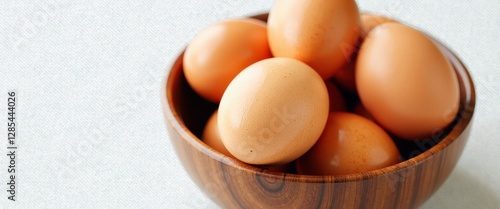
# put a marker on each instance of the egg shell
(349, 144)
(211, 136)
(370, 21)
(323, 34)
(345, 75)
(406, 82)
(221, 51)
(273, 111)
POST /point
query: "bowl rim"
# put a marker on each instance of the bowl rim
(174, 119)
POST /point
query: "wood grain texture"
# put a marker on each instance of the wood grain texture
(233, 184)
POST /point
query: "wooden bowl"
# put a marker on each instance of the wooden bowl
(233, 184)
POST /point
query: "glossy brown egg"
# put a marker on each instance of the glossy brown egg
(405, 82)
(211, 136)
(273, 112)
(370, 21)
(349, 144)
(221, 51)
(323, 34)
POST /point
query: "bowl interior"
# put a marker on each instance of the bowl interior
(190, 112)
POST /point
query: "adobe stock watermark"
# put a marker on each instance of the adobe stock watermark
(230, 3)
(492, 84)
(96, 135)
(350, 49)
(423, 145)
(32, 24)
(277, 123)
(216, 181)
(395, 8)
(198, 203)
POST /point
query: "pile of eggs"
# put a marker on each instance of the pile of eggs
(281, 87)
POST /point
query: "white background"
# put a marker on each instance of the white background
(91, 132)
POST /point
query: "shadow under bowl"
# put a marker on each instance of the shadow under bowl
(234, 184)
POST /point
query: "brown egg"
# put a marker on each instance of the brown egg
(370, 21)
(273, 111)
(405, 82)
(337, 102)
(211, 136)
(219, 52)
(323, 34)
(349, 144)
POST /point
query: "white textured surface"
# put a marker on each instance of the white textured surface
(90, 128)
